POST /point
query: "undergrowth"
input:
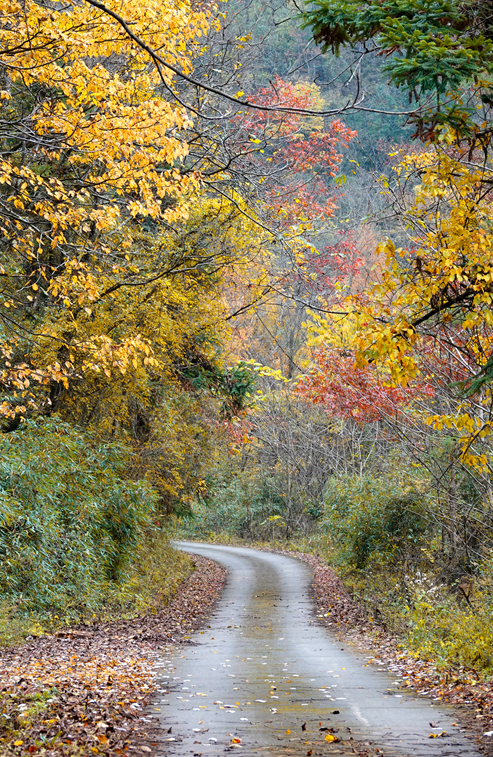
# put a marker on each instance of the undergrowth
(79, 541)
(378, 535)
(152, 580)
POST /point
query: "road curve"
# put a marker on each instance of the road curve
(265, 673)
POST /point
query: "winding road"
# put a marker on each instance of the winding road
(264, 678)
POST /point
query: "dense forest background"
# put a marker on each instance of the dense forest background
(246, 294)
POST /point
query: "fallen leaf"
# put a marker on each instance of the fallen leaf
(104, 676)
(331, 737)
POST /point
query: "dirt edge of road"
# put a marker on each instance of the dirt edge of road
(85, 691)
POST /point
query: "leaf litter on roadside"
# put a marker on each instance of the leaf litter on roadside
(84, 691)
(336, 608)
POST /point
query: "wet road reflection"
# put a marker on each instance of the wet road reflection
(264, 679)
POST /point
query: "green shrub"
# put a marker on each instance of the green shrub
(373, 520)
(453, 624)
(246, 505)
(451, 635)
(152, 578)
(70, 522)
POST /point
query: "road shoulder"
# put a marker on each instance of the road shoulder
(85, 690)
(466, 690)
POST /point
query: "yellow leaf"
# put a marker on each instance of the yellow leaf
(331, 737)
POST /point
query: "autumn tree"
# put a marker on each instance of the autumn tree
(89, 149)
(113, 261)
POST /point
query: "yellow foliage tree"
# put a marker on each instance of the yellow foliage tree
(90, 148)
(170, 391)
(429, 316)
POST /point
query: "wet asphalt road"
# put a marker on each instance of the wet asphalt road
(265, 673)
